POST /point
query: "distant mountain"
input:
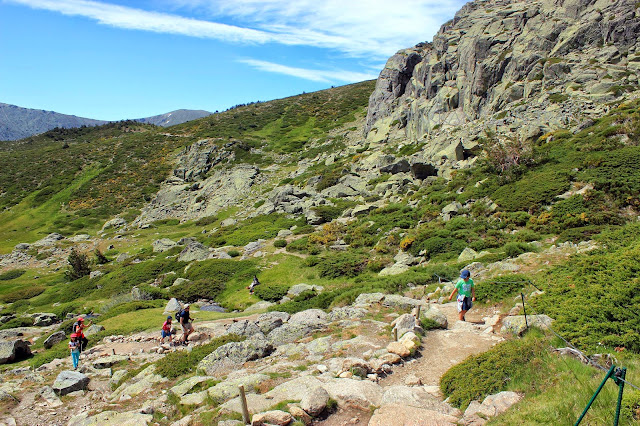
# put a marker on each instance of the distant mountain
(17, 122)
(174, 117)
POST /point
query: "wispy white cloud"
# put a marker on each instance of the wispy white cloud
(324, 76)
(372, 29)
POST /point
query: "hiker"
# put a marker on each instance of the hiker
(166, 330)
(78, 328)
(185, 321)
(254, 283)
(466, 293)
(74, 346)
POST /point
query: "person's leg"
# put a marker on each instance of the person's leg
(461, 315)
(75, 356)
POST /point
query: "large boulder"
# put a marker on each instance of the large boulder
(517, 325)
(244, 328)
(163, 245)
(235, 353)
(269, 321)
(108, 361)
(193, 251)
(299, 288)
(15, 350)
(43, 319)
(401, 302)
(173, 306)
(401, 414)
(492, 405)
(434, 314)
(274, 417)
(55, 338)
(70, 381)
(406, 323)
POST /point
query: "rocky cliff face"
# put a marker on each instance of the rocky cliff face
(522, 68)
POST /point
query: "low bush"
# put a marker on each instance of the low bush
(233, 253)
(501, 288)
(17, 322)
(22, 294)
(175, 364)
(194, 290)
(12, 274)
(346, 264)
(130, 307)
(280, 243)
(271, 293)
(516, 249)
(481, 375)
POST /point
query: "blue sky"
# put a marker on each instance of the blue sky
(117, 59)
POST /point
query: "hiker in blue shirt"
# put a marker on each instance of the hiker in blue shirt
(466, 290)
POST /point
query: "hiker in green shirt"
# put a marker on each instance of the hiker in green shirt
(466, 293)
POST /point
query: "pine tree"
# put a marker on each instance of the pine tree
(78, 265)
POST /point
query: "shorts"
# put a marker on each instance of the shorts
(166, 334)
(464, 303)
(187, 327)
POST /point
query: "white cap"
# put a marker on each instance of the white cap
(186, 306)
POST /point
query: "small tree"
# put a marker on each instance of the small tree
(101, 259)
(78, 265)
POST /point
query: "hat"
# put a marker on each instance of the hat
(81, 319)
(186, 306)
(74, 335)
(465, 273)
(169, 317)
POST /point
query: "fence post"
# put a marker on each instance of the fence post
(418, 313)
(593, 398)
(395, 334)
(245, 408)
(618, 377)
(525, 311)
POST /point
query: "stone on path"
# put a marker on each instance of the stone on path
(315, 402)
(111, 418)
(492, 405)
(275, 417)
(70, 381)
(517, 325)
(404, 415)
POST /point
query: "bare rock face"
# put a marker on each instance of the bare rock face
(13, 351)
(542, 62)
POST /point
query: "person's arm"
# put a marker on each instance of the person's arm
(455, 290)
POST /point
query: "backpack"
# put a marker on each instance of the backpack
(178, 315)
(74, 327)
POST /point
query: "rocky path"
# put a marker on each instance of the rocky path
(346, 353)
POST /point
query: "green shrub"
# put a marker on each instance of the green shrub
(311, 261)
(533, 191)
(17, 322)
(12, 274)
(516, 249)
(346, 264)
(280, 243)
(233, 253)
(438, 245)
(481, 375)
(204, 221)
(176, 364)
(327, 213)
(22, 294)
(630, 408)
(301, 245)
(130, 307)
(429, 324)
(271, 293)
(152, 292)
(504, 287)
(203, 288)
(78, 265)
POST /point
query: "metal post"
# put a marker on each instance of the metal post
(418, 313)
(525, 311)
(395, 334)
(245, 408)
(621, 373)
(593, 398)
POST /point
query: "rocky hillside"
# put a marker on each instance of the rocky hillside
(508, 147)
(520, 69)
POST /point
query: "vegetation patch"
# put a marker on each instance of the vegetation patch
(176, 364)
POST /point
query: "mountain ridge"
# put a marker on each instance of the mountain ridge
(18, 122)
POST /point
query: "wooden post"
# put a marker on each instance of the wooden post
(418, 313)
(395, 334)
(245, 408)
